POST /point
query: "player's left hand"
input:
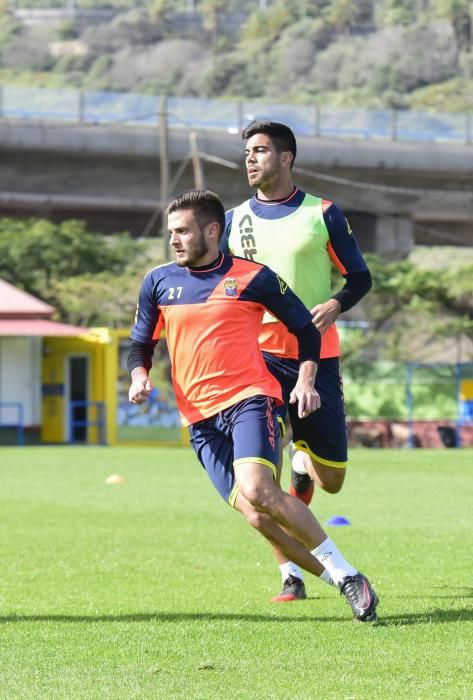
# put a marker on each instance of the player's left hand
(307, 399)
(323, 315)
(140, 389)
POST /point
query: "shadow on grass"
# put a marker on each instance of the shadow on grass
(428, 617)
(466, 593)
(165, 617)
(424, 618)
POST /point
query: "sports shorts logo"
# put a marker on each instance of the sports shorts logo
(270, 423)
(231, 287)
(282, 285)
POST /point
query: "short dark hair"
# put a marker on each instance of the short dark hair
(206, 205)
(280, 134)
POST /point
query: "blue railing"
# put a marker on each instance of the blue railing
(452, 436)
(80, 416)
(88, 107)
(11, 416)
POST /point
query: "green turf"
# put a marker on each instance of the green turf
(151, 433)
(155, 589)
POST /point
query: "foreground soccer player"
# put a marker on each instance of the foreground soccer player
(300, 236)
(212, 306)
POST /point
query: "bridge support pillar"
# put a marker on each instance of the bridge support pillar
(394, 237)
(390, 236)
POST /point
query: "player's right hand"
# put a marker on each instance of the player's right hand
(140, 389)
(307, 399)
(323, 315)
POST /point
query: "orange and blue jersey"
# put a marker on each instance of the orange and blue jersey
(213, 317)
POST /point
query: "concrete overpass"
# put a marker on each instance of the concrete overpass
(396, 193)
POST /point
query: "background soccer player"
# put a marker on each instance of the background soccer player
(212, 306)
(300, 236)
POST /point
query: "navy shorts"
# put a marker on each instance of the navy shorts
(323, 434)
(248, 431)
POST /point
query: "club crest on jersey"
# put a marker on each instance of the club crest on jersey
(231, 287)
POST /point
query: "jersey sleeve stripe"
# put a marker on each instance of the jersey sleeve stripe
(159, 327)
(326, 204)
(336, 260)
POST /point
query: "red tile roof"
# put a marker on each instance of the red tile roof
(38, 327)
(15, 303)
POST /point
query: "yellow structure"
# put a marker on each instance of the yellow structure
(61, 383)
(466, 390)
(84, 394)
(466, 399)
(82, 368)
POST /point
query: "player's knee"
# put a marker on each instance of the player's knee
(252, 493)
(333, 487)
(256, 519)
(331, 481)
(256, 494)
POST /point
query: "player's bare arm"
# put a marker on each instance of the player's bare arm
(323, 315)
(304, 394)
(141, 386)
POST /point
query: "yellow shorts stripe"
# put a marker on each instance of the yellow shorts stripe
(303, 446)
(258, 460)
(282, 426)
(233, 496)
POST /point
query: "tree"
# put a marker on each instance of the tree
(399, 11)
(211, 10)
(268, 24)
(410, 307)
(459, 14)
(158, 8)
(461, 22)
(364, 12)
(103, 299)
(38, 256)
(342, 15)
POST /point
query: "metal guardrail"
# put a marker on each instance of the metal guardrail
(87, 107)
(80, 416)
(459, 371)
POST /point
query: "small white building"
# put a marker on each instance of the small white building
(24, 322)
(62, 384)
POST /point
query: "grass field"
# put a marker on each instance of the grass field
(156, 589)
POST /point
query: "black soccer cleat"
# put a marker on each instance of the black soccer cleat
(360, 597)
(293, 589)
(301, 486)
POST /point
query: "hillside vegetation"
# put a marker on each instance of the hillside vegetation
(336, 52)
(393, 53)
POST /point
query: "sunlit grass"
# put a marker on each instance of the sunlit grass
(155, 589)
